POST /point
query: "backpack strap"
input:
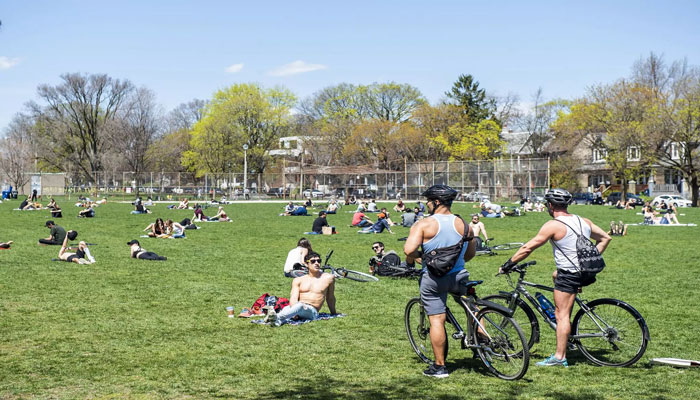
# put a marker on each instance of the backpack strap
(559, 248)
(468, 235)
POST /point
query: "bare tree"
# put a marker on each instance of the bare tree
(16, 151)
(76, 117)
(538, 120)
(184, 116)
(136, 129)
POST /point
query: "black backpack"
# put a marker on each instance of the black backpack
(388, 266)
(589, 258)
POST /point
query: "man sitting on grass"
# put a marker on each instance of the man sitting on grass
(309, 292)
(57, 234)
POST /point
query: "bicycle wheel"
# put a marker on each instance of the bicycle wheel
(501, 344)
(524, 315)
(355, 275)
(619, 334)
(418, 331)
(508, 246)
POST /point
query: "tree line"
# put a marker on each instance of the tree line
(93, 122)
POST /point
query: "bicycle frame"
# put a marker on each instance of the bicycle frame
(520, 288)
(469, 305)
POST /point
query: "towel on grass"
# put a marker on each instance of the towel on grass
(321, 316)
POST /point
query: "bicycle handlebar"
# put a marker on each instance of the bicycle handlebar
(518, 268)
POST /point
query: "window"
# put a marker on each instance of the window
(599, 155)
(675, 150)
(596, 180)
(672, 176)
(633, 153)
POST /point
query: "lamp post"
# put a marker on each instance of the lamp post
(245, 168)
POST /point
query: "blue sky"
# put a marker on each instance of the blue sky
(185, 49)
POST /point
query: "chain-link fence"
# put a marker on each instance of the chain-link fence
(499, 179)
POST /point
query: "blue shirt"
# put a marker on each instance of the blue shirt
(447, 236)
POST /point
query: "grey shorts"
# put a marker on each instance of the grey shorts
(571, 282)
(434, 290)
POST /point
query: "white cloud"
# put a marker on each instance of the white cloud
(7, 62)
(296, 67)
(232, 69)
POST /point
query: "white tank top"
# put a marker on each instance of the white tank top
(567, 244)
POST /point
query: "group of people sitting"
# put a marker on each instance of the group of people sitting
(529, 206)
(168, 229)
(665, 216)
(292, 209)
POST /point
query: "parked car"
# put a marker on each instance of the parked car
(535, 196)
(614, 197)
(586, 198)
(315, 194)
(676, 200)
(476, 196)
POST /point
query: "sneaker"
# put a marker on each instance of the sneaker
(552, 361)
(436, 371)
(271, 318)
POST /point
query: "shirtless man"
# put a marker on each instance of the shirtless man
(477, 228)
(309, 292)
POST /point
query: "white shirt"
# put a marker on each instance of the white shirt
(567, 244)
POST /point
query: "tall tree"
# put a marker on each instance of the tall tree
(184, 116)
(76, 119)
(538, 119)
(240, 114)
(16, 151)
(391, 101)
(474, 101)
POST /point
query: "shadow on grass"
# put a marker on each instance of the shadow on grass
(329, 388)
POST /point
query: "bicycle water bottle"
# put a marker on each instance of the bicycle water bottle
(547, 306)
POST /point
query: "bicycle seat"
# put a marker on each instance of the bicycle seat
(469, 284)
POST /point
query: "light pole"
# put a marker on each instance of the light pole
(245, 168)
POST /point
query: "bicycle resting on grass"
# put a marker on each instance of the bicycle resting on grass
(337, 272)
(575, 257)
(607, 331)
(490, 250)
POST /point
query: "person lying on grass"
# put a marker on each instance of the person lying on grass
(82, 254)
(378, 226)
(6, 245)
(138, 252)
(88, 212)
(309, 292)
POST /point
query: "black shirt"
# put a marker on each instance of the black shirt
(319, 223)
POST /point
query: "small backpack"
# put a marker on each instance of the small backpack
(589, 258)
(267, 299)
(389, 260)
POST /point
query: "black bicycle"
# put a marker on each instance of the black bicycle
(487, 250)
(494, 336)
(607, 331)
(338, 272)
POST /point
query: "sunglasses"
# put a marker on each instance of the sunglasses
(376, 247)
(315, 261)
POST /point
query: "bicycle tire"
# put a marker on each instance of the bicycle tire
(524, 315)
(623, 342)
(355, 275)
(505, 353)
(508, 246)
(418, 331)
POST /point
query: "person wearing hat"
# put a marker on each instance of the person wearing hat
(138, 252)
(378, 226)
(58, 234)
(562, 232)
(319, 223)
(82, 254)
(439, 230)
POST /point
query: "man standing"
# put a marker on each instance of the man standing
(568, 279)
(309, 292)
(319, 223)
(57, 234)
(441, 229)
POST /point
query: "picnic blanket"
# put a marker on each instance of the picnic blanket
(321, 316)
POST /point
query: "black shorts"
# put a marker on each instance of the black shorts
(571, 282)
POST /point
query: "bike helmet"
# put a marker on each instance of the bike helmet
(443, 193)
(558, 197)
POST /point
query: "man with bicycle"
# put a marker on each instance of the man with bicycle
(568, 279)
(441, 229)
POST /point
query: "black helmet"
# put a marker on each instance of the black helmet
(558, 197)
(443, 193)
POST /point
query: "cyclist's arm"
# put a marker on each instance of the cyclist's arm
(483, 229)
(546, 232)
(294, 296)
(602, 239)
(330, 296)
(471, 249)
(413, 242)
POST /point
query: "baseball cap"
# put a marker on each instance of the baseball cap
(133, 242)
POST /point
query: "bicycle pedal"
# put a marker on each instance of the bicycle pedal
(457, 335)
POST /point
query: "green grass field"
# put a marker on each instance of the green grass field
(125, 328)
